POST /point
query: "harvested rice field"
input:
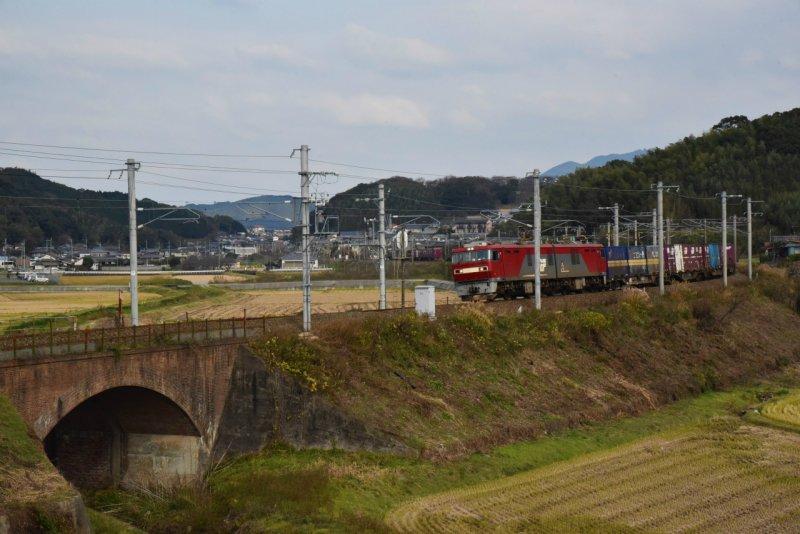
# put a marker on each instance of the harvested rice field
(734, 479)
(205, 279)
(17, 306)
(123, 279)
(784, 410)
(287, 302)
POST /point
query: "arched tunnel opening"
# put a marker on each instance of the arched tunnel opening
(128, 436)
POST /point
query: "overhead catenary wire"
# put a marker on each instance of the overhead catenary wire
(214, 183)
(155, 152)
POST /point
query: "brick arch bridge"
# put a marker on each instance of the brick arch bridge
(161, 415)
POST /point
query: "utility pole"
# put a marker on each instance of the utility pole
(749, 238)
(132, 167)
(724, 250)
(382, 237)
(537, 241)
(615, 209)
(660, 208)
(655, 227)
(636, 232)
(660, 215)
(735, 242)
(304, 199)
(669, 231)
(305, 203)
(724, 195)
(750, 202)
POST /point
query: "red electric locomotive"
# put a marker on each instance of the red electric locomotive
(507, 270)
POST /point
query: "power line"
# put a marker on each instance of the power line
(354, 166)
(616, 189)
(214, 183)
(58, 156)
(160, 153)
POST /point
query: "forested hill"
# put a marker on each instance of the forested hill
(34, 209)
(438, 198)
(758, 158)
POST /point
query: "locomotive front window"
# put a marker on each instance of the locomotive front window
(474, 255)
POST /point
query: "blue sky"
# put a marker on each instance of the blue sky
(450, 87)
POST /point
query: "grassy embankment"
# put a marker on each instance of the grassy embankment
(468, 392)
(30, 487)
(32, 493)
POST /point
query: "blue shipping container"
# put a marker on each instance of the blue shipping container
(714, 260)
(617, 261)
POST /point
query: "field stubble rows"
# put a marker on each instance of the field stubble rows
(732, 480)
(288, 302)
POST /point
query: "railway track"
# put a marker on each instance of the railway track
(597, 298)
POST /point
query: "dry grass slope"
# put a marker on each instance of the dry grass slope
(731, 479)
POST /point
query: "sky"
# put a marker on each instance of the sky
(460, 87)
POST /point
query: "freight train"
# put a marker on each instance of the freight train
(507, 270)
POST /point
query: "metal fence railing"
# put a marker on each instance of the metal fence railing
(70, 341)
(83, 341)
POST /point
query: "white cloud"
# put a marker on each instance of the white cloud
(108, 50)
(790, 62)
(259, 99)
(370, 109)
(393, 52)
(465, 119)
(126, 51)
(275, 52)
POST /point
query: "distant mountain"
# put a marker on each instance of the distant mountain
(568, 167)
(269, 211)
(33, 210)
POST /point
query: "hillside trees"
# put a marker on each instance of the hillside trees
(33, 209)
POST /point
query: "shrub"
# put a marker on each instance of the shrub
(703, 313)
(294, 356)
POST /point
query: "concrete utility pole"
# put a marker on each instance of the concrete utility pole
(615, 209)
(724, 250)
(655, 227)
(660, 208)
(750, 203)
(537, 242)
(305, 203)
(132, 166)
(669, 231)
(749, 238)
(636, 232)
(305, 178)
(382, 237)
(724, 195)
